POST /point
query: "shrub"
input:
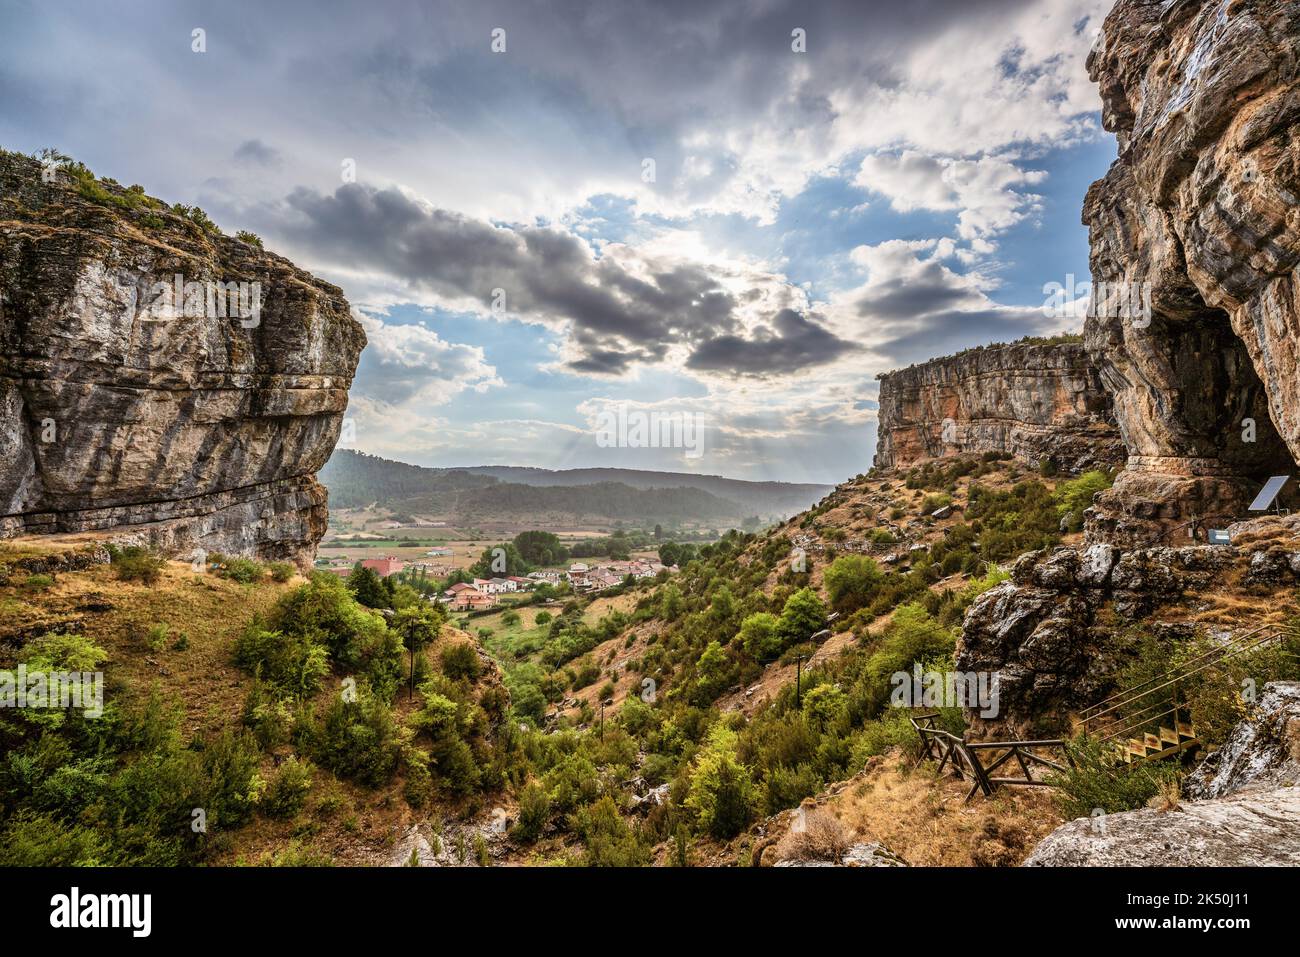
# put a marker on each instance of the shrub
(358, 739)
(1097, 781)
(932, 503)
(281, 571)
(815, 836)
(534, 813)
(292, 663)
(242, 570)
(803, 615)
(135, 563)
(721, 792)
(325, 612)
(610, 842)
(543, 618)
(760, 636)
(851, 582)
(460, 660)
(287, 792)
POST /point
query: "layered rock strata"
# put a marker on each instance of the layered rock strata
(1198, 221)
(160, 380)
(1034, 401)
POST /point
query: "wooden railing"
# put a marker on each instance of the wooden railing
(966, 759)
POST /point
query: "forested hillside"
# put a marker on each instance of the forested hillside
(357, 480)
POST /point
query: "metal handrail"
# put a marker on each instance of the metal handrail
(1136, 691)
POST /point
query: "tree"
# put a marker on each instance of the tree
(671, 603)
(825, 704)
(803, 615)
(723, 605)
(722, 792)
(851, 582)
(760, 636)
(541, 548)
(419, 626)
(367, 587)
(500, 560)
(712, 672)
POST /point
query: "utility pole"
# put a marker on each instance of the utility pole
(798, 669)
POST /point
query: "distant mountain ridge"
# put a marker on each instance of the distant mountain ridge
(356, 479)
(762, 498)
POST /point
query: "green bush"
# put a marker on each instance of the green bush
(803, 615)
(281, 571)
(292, 663)
(135, 563)
(287, 793)
(358, 739)
(760, 636)
(1099, 781)
(851, 582)
(460, 661)
(609, 840)
(534, 813)
(242, 570)
(721, 791)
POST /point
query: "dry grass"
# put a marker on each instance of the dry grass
(814, 836)
(921, 818)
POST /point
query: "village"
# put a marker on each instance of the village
(479, 594)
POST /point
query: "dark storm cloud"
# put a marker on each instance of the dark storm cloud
(617, 317)
(256, 153)
(930, 290)
(795, 342)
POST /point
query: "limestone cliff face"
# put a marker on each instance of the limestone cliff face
(1032, 400)
(1203, 208)
(188, 420)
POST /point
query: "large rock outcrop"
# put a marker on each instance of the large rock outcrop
(1246, 804)
(1198, 219)
(195, 420)
(1052, 636)
(1031, 400)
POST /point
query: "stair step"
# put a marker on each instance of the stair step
(1169, 736)
(1152, 742)
(1186, 730)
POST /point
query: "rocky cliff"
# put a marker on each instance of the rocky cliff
(1199, 219)
(157, 378)
(1031, 400)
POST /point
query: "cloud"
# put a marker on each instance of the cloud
(624, 307)
(256, 153)
(913, 307)
(407, 365)
(985, 191)
(794, 342)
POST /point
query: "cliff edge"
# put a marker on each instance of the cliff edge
(158, 379)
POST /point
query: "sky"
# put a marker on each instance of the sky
(551, 217)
